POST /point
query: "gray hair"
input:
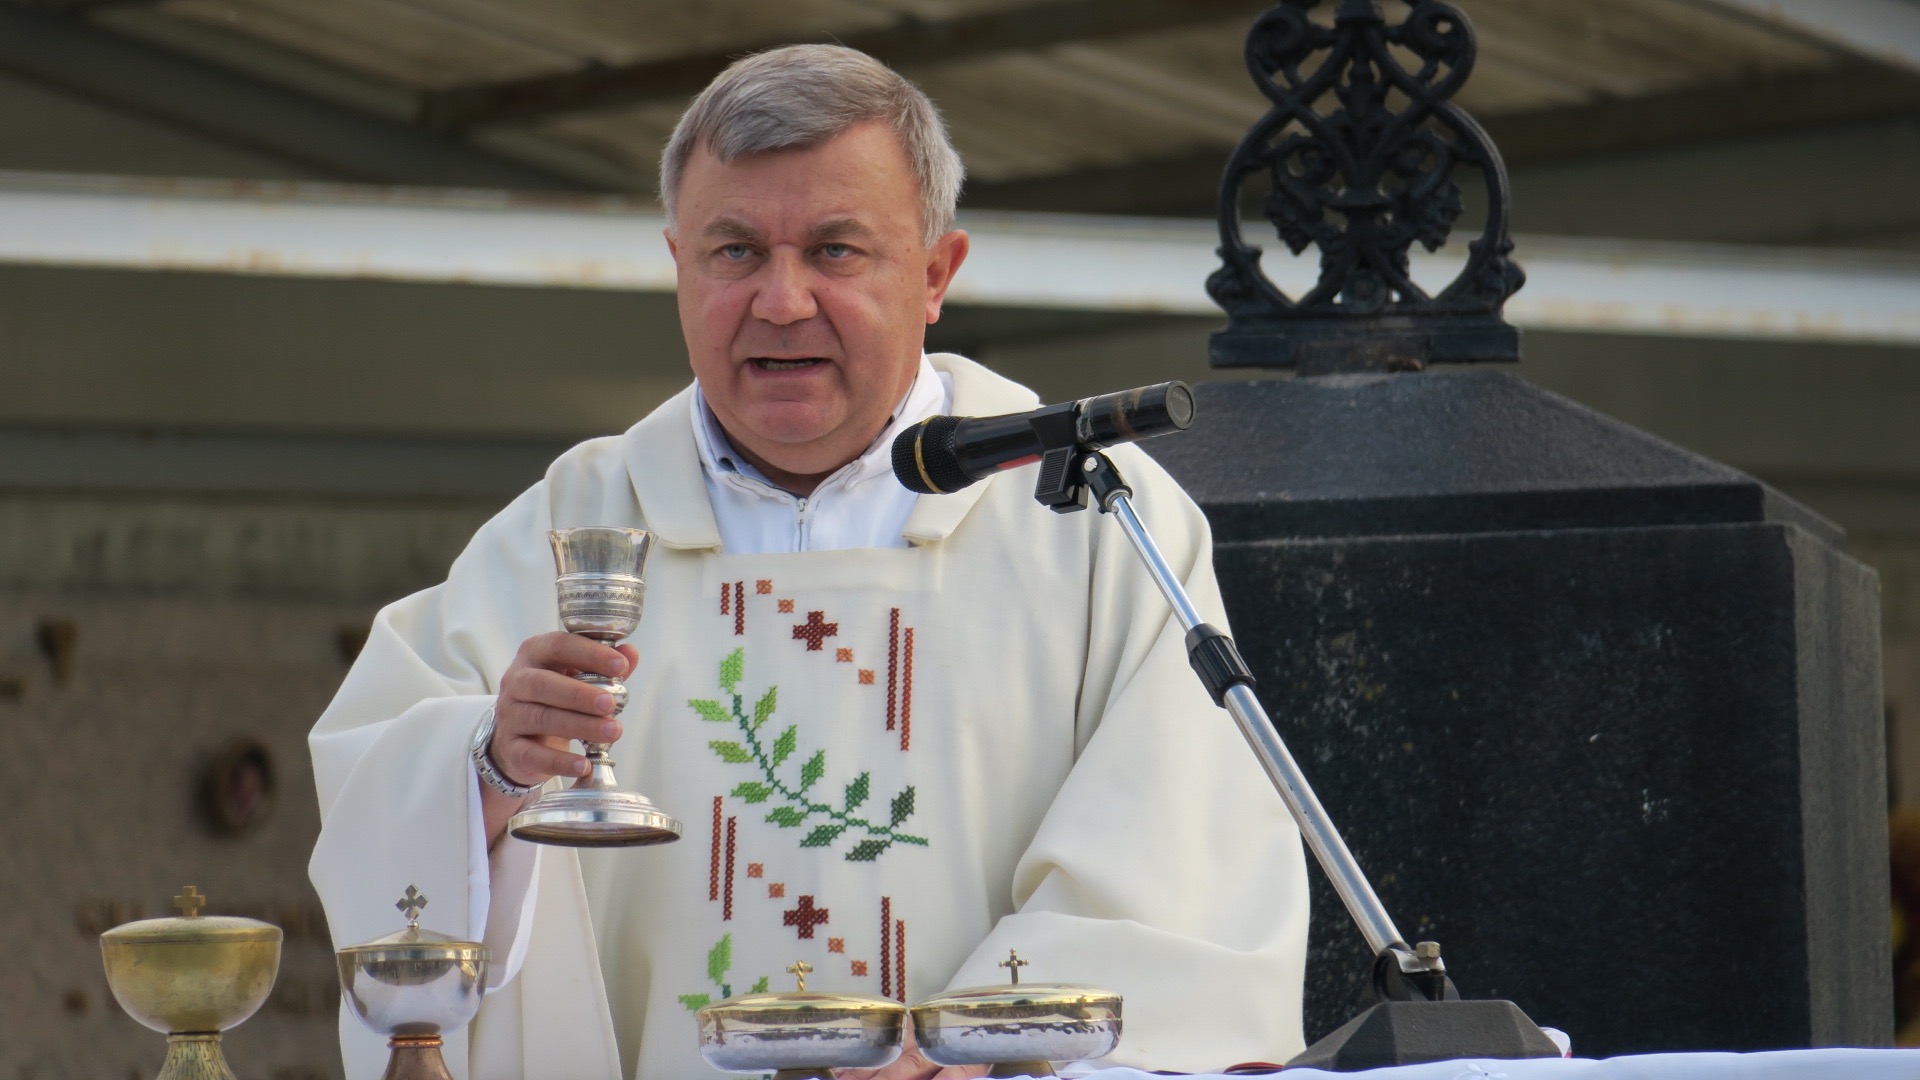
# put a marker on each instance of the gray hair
(803, 95)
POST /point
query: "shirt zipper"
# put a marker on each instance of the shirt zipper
(802, 525)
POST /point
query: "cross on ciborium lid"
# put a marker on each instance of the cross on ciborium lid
(799, 971)
(411, 905)
(1013, 964)
(189, 902)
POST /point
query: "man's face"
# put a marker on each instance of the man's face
(805, 293)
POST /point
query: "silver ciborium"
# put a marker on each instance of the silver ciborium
(1019, 1029)
(414, 986)
(804, 1035)
(602, 589)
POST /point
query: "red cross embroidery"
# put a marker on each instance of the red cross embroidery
(805, 917)
(815, 630)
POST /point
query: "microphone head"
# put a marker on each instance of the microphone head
(924, 460)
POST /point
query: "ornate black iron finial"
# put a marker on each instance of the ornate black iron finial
(1364, 182)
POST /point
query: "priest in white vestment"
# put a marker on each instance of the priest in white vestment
(905, 734)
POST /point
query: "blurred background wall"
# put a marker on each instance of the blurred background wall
(231, 425)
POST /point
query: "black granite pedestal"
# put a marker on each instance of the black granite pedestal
(1599, 715)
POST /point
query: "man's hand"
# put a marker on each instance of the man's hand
(912, 1065)
(542, 709)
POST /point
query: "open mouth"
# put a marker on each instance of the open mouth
(769, 364)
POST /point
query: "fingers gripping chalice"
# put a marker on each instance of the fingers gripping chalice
(602, 588)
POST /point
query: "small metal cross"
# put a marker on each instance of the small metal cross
(410, 905)
(190, 902)
(1013, 963)
(799, 972)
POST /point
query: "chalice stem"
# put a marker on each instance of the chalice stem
(195, 1056)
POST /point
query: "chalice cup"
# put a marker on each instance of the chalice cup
(602, 588)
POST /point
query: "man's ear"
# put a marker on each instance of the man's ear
(943, 262)
(673, 246)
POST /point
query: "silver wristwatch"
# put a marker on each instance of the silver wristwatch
(490, 774)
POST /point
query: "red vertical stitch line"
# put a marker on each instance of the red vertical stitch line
(726, 908)
(893, 687)
(726, 593)
(739, 608)
(900, 960)
(713, 863)
(906, 695)
(886, 946)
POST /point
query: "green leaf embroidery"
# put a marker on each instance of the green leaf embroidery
(823, 835)
(720, 959)
(784, 746)
(902, 806)
(695, 1002)
(731, 752)
(798, 808)
(857, 791)
(759, 987)
(813, 770)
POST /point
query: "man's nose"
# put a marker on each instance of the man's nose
(786, 291)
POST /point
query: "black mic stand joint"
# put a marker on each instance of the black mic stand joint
(1409, 984)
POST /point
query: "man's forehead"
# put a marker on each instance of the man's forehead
(730, 225)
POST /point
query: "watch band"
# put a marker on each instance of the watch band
(489, 773)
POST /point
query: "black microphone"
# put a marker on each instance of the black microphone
(943, 454)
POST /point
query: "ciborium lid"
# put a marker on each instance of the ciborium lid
(413, 938)
(191, 926)
(800, 1031)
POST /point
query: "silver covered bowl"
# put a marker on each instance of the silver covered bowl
(1030, 1023)
(414, 983)
(801, 1033)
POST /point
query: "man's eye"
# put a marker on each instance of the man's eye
(736, 252)
(835, 251)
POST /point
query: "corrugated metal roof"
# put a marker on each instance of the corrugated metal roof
(608, 77)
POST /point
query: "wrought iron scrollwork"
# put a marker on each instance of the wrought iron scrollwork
(1363, 180)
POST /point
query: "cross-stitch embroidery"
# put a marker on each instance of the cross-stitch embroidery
(798, 807)
(719, 962)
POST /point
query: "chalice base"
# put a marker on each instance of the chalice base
(195, 1055)
(415, 1058)
(589, 816)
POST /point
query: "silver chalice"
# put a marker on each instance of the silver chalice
(602, 589)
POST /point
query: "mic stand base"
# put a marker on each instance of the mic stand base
(1411, 1032)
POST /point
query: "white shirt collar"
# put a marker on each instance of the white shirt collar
(928, 396)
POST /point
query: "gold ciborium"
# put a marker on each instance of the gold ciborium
(602, 588)
(193, 977)
(1019, 1029)
(413, 986)
(804, 1035)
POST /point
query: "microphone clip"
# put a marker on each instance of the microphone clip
(1062, 484)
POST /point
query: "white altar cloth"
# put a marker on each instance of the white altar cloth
(1841, 1064)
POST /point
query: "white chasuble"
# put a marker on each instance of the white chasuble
(891, 764)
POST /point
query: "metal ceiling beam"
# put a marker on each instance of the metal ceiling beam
(1885, 30)
(1184, 184)
(911, 41)
(1018, 261)
(64, 52)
